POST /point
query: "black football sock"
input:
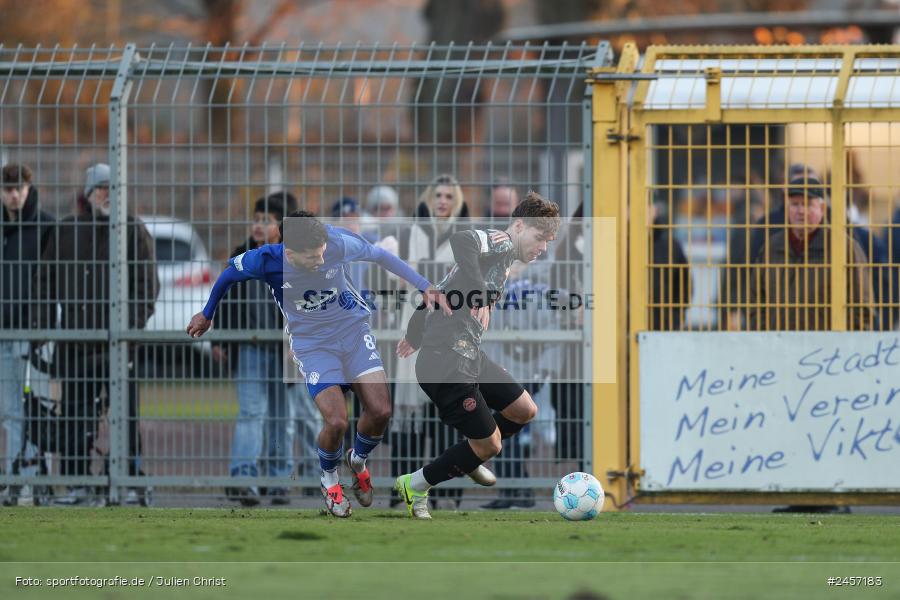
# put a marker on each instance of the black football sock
(456, 461)
(507, 428)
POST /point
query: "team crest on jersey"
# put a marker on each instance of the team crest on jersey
(469, 404)
(313, 378)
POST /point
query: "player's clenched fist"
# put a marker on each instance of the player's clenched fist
(199, 325)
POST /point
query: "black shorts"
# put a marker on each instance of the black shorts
(466, 391)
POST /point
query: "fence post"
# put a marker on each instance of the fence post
(839, 230)
(118, 284)
(609, 120)
(604, 58)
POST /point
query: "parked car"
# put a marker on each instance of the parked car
(185, 277)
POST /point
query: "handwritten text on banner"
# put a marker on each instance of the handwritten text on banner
(770, 411)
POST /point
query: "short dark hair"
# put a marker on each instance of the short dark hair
(278, 204)
(301, 230)
(15, 175)
(538, 212)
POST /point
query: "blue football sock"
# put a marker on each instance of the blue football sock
(329, 460)
(364, 444)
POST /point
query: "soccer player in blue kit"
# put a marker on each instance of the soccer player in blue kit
(327, 321)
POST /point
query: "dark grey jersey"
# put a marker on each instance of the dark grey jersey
(483, 259)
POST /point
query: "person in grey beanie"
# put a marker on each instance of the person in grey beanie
(96, 177)
(75, 273)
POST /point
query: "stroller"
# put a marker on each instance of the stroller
(43, 430)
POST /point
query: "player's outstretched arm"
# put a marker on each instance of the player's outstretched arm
(202, 321)
(357, 249)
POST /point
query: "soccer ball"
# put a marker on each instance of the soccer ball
(578, 497)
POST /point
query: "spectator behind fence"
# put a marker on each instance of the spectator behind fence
(504, 198)
(382, 202)
(383, 228)
(891, 243)
(670, 275)
(567, 388)
(269, 410)
(873, 246)
(763, 234)
(25, 229)
(425, 245)
(790, 285)
(750, 205)
(75, 273)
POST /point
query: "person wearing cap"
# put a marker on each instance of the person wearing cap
(346, 213)
(25, 230)
(790, 286)
(74, 273)
(734, 282)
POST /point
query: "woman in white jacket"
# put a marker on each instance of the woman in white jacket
(441, 212)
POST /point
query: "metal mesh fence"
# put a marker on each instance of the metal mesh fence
(201, 151)
(742, 211)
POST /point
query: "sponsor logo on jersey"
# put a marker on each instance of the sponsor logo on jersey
(315, 299)
(287, 285)
(373, 356)
(331, 273)
(239, 262)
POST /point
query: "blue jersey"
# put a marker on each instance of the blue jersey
(316, 303)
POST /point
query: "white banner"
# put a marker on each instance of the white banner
(770, 411)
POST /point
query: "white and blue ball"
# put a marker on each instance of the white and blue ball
(578, 497)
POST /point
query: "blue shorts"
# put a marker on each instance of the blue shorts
(340, 359)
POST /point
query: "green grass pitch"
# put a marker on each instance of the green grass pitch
(382, 554)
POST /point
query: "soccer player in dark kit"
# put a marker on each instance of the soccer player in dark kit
(472, 393)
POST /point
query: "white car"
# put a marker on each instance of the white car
(185, 274)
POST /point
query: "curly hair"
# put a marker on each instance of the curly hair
(538, 212)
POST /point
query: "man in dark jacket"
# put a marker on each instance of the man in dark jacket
(748, 242)
(25, 230)
(790, 288)
(670, 275)
(75, 273)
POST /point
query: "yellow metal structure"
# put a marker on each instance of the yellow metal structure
(696, 132)
(609, 116)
